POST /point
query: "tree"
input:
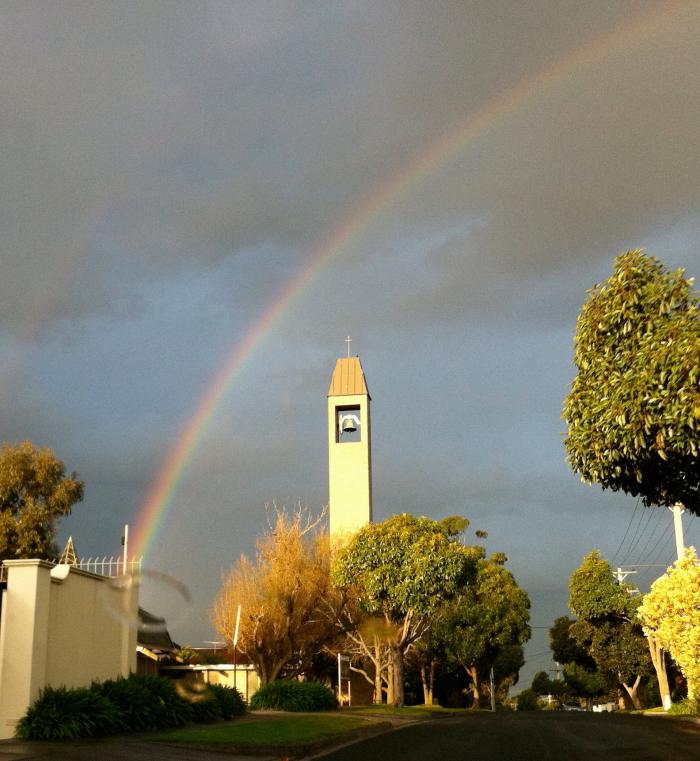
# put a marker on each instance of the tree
(607, 625)
(633, 413)
(485, 622)
(581, 675)
(564, 647)
(584, 683)
(35, 493)
(283, 596)
(670, 613)
(404, 569)
(543, 685)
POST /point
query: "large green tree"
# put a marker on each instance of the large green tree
(486, 624)
(405, 568)
(35, 492)
(607, 625)
(633, 413)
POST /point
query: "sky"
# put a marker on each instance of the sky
(186, 183)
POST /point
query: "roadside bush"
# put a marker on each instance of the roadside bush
(527, 701)
(683, 708)
(290, 695)
(134, 704)
(229, 701)
(170, 710)
(139, 708)
(62, 714)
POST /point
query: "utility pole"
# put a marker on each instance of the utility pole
(678, 511)
(493, 691)
(125, 542)
(621, 574)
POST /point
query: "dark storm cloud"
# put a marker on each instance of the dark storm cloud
(157, 134)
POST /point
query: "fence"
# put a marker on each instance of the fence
(110, 566)
(101, 566)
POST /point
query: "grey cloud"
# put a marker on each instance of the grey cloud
(156, 134)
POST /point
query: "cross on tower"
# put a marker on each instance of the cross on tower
(348, 341)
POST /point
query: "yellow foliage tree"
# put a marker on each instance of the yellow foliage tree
(285, 595)
(670, 613)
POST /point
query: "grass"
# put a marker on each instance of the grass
(389, 710)
(289, 731)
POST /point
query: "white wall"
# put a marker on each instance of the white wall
(61, 626)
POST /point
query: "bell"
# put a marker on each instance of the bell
(349, 425)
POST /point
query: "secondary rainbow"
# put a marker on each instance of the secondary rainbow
(171, 473)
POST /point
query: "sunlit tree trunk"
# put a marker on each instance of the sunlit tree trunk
(658, 658)
(473, 674)
(397, 668)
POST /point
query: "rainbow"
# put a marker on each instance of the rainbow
(151, 517)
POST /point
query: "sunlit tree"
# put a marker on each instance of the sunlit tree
(670, 613)
(35, 492)
(633, 413)
(283, 593)
(404, 569)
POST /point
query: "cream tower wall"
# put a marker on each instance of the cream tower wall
(349, 463)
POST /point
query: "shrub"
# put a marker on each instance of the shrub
(527, 701)
(290, 695)
(123, 705)
(683, 708)
(62, 714)
(138, 707)
(172, 710)
(146, 702)
(205, 707)
(229, 701)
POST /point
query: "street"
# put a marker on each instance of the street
(533, 736)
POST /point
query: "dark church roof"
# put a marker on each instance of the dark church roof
(153, 633)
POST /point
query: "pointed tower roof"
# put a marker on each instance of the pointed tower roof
(69, 555)
(348, 378)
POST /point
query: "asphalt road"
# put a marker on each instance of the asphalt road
(533, 737)
(478, 737)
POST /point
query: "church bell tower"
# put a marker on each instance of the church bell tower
(349, 450)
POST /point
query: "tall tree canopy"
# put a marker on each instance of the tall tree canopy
(404, 569)
(633, 413)
(486, 623)
(35, 493)
(607, 625)
(670, 613)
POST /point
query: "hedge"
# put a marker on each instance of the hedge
(290, 695)
(123, 705)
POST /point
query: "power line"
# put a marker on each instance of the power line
(660, 523)
(626, 532)
(664, 545)
(634, 543)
